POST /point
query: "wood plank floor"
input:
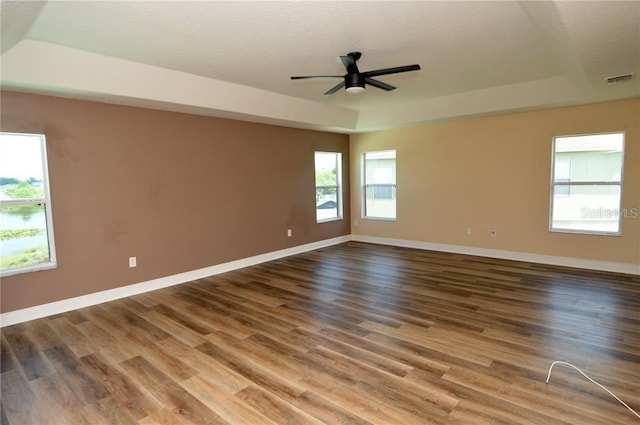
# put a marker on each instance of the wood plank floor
(350, 334)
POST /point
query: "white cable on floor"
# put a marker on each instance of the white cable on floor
(598, 384)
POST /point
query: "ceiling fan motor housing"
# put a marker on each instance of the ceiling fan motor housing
(354, 80)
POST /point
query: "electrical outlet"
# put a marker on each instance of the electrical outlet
(133, 262)
(469, 231)
(493, 233)
(289, 233)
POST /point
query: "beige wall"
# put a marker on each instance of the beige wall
(180, 192)
(495, 172)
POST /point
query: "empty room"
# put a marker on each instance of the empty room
(320, 212)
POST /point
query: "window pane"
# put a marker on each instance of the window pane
(380, 201)
(326, 169)
(587, 208)
(327, 204)
(592, 158)
(23, 236)
(21, 170)
(380, 167)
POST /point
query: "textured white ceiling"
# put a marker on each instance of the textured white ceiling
(234, 59)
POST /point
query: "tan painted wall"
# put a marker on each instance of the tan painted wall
(495, 172)
(180, 192)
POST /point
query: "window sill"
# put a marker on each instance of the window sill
(328, 220)
(585, 232)
(28, 269)
(379, 218)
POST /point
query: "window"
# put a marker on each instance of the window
(379, 189)
(586, 184)
(26, 232)
(328, 188)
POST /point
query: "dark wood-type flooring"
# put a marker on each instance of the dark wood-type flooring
(354, 333)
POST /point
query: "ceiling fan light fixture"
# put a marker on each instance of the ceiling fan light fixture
(355, 89)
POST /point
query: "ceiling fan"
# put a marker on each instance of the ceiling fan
(354, 80)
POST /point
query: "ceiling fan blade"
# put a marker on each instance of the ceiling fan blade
(379, 84)
(335, 88)
(395, 70)
(306, 77)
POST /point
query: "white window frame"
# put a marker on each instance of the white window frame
(578, 183)
(337, 186)
(390, 186)
(46, 200)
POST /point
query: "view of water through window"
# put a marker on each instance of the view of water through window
(25, 231)
(23, 219)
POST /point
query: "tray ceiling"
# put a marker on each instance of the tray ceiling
(234, 59)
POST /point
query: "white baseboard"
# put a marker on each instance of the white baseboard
(57, 307)
(607, 266)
